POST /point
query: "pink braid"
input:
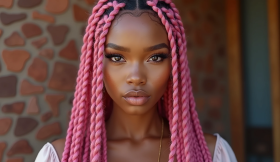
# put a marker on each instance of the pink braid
(87, 144)
(78, 137)
(174, 124)
(185, 119)
(170, 105)
(104, 139)
(198, 129)
(75, 101)
(165, 100)
(77, 96)
(74, 112)
(99, 105)
(93, 99)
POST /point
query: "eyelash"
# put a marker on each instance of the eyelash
(110, 56)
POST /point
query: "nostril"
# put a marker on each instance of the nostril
(136, 80)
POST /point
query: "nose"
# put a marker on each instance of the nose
(136, 75)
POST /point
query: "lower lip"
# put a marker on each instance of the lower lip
(136, 101)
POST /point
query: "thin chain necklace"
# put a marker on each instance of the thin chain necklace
(160, 140)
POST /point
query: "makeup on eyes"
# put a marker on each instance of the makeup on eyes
(114, 57)
(160, 55)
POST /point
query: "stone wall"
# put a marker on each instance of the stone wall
(40, 43)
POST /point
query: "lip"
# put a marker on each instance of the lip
(136, 97)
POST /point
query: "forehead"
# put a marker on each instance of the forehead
(144, 30)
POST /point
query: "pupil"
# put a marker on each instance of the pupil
(155, 58)
(117, 58)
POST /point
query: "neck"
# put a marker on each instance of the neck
(122, 125)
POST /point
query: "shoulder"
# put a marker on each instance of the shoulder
(59, 146)
(211, 141)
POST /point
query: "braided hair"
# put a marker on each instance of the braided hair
(86, 134)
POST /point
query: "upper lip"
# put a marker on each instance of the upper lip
(136, 93)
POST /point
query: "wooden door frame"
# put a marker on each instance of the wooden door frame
(236, 106)
(274, 51)
(233, 33)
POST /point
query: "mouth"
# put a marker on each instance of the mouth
(136, 98)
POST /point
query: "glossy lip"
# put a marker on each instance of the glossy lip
(136, 97)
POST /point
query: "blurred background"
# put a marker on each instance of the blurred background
(233, 52)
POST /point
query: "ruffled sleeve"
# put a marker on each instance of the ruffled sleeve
(223, 152)
(47, 154)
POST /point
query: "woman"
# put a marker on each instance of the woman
(133, 99)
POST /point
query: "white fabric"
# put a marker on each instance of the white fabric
(223, 152)
(47, 154)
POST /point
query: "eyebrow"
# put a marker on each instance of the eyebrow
(156, 47)
(116, 47)
(152, 48)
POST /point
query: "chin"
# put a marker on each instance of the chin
(136, 110)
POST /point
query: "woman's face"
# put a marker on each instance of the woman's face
(137, 63)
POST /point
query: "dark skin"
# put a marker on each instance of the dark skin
(143, 62)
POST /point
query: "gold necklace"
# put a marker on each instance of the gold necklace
(160, 140)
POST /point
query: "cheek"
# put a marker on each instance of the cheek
(158, 78)
(112, 79)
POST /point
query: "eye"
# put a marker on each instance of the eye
(115, 57)
(158, 57)
(155, 58)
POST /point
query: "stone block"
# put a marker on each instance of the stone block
(31, 30)
(63, 77)
(70, 51)
(5, 125)
(20, 147)
(58, 33)
(29, 3)
(39, 42)
(24, 126)
(44, 17)
(38, 70)
(56, 6)
(15, 108)
(54, 101)
(48, 131)
(8, 86)
(14, 40)
(47, 53)
(11, 18)
(6, 4)
(33, 107)
(27, 88)
(15, 60)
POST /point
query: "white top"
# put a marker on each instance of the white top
(223, 152)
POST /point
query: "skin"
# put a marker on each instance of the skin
(133, 132)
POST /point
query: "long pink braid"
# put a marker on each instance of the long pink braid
(183, 60)
(93, 99)
(185, 131)
(74, 115)
(186, 136)
(174, 124)
(81, 122)
(99, 105)
(198, 129)
(87, 144)
(78, 89)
